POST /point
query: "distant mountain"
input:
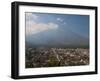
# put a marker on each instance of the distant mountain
(57, 38)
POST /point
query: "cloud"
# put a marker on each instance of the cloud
(30, 16)
(52, 25)
(59, 19)
(35, 28)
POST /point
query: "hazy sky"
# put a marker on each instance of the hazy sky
(57, 29)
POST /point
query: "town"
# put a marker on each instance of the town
(54, 57)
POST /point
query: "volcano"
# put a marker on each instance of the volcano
(57, 38)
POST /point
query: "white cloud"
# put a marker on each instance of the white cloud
(52, 25)
(59, 19)
(30, 16)
(34, 28)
